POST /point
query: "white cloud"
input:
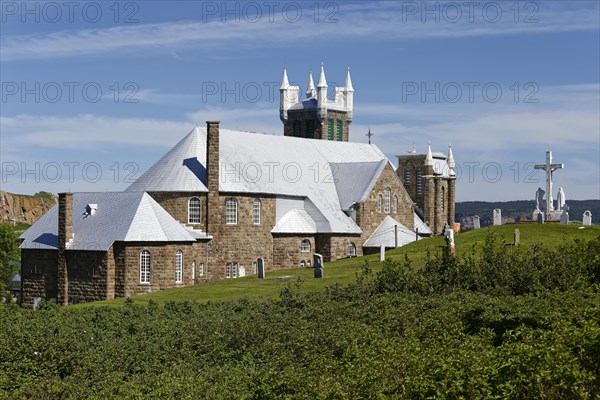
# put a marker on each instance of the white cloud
(379, 20)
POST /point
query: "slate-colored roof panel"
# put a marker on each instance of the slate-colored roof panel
(120, 216)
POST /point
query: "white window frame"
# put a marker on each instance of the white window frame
(351, 252)
(228, 271)
(254, 267)
(395, 204)
(387, 200)
(379, 202)
(231, 211)
(201, 269)
(145, 267)
(178, 266)
(195, 213)
(305, 246)
(256, 211)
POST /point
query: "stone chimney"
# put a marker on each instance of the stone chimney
(212, 175)
(65, 234)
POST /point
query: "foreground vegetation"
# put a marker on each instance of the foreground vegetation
(505, 322)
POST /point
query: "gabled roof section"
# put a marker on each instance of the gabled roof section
(420, 226)
(120, 216)
(385, 234)
(182, 169)
(354, 181)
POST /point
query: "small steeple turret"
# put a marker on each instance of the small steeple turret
(310, 89)
(322, 95)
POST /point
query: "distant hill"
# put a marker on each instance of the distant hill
(519, 210)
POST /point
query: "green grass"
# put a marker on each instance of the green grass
(344, 271)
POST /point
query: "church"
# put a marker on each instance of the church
(220, 201)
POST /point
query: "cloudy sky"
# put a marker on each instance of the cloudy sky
(93, 93)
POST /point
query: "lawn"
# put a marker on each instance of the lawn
(344, 271)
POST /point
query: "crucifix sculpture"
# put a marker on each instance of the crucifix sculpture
(549, 168)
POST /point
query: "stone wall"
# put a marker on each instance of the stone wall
(87, 276)
(321, 129)
(38, 275)
(287, 253)
(176, 204)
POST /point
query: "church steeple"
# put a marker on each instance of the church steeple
(322, 95)
(288, 96)
(310, 89)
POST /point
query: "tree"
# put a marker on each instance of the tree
(9, 256)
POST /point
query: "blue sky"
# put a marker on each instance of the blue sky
(93, 93)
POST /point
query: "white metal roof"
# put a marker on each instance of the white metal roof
(120, 216)
(420, 225)
(269, 164)
(385, 234)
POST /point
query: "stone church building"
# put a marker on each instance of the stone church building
(220, 200)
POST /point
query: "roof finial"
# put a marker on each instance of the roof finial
(310, 90)
(285, 83)
(429, 157)
(322, 80)
(451, 163)
(348, 87)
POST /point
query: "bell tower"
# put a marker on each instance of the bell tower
(316, 117)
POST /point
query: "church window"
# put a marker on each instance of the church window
(194, 211)
(297, 129)
(302, 264)
(419, 184)
(228, 270)
(310, 129)
(253, 267)
(234, 270)
(201, 269)
(305, 246)
(351, 250)
(145, 266)
(330, 128)
(406, 178)
(395, 204)
(340, 130)
(178, 266)
(379, 202)
(256, 212)
(231, 211)
(388, 195)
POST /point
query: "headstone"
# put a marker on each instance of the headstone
(382, 253)
(449, 234)
(564, 217)
(497, 217)
(476, 222)
(540, 218)
(517, 238)
(587, 217)
(318, 269)
(261, 268)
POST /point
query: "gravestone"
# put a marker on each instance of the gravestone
(517, 237)
(564, 217)
(587, 217)
(261, 268)
(449, 235)
(540, 218)
(382, 253)
(497, 217)
(476, 222)
(318, 262)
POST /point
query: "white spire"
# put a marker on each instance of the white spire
(348, 86)
(451, 163)
(285, 83)
(322, 80)
(429, 157)
(310, 91)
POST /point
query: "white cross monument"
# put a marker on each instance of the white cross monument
(549, 168)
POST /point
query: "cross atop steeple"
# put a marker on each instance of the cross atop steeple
(369, 135)
(549, 168)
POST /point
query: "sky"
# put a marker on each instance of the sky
(95, 92)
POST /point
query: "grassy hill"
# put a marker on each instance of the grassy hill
(344, 271)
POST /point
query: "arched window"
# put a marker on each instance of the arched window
(231, 211)
(388, 196)
(379, 202)
(178, 266)
(395, 204)
(305, 246)
(194, 211)
(256, 212)
(145, 266)
(302, 264)
(351, 250)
